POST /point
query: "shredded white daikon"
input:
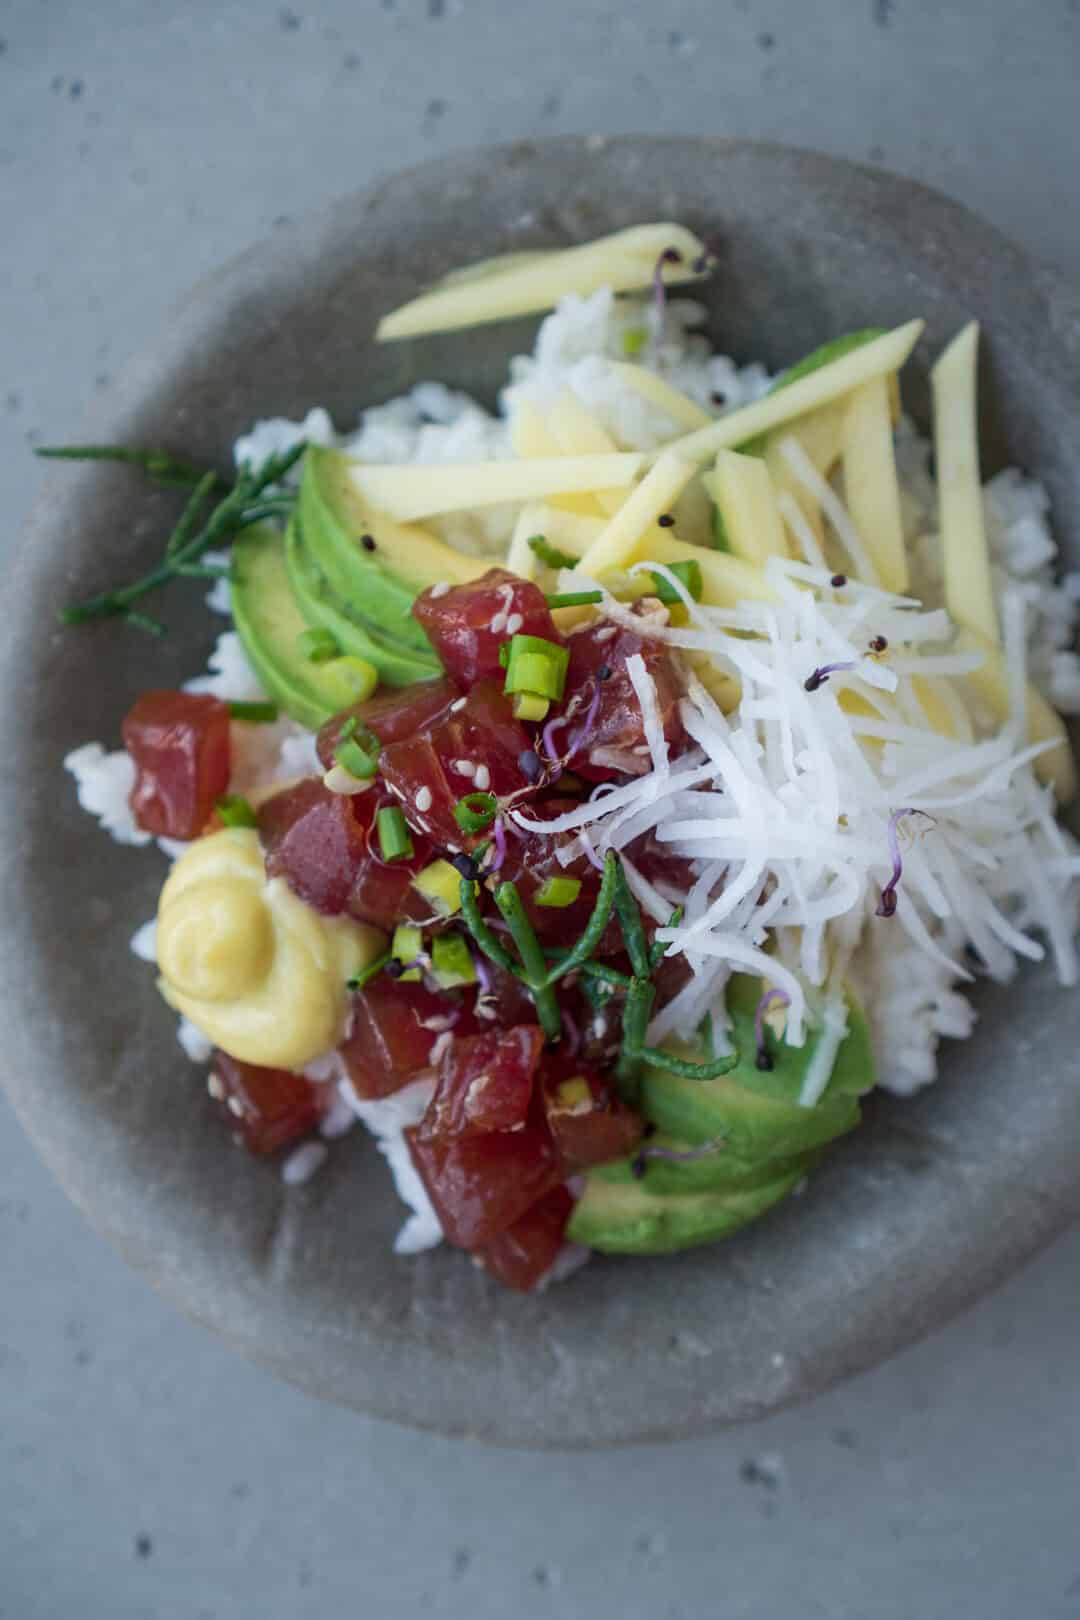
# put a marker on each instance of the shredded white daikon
(783, 810)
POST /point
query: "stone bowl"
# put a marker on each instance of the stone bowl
(931, 1203)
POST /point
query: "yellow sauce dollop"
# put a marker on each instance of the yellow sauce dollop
(258, 971)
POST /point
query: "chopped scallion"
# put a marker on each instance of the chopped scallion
(574, 599)
(440, 885)
(475, 811)
(451, 961)
(235, 811)
(550, 555)
(406, 945)
(537, 666)
(527, 706)
(688, 574)
(254, 714)
(366, 974)
(558, 892)
(395, 842)
(348, 680)
(318, 646)
(358, 755)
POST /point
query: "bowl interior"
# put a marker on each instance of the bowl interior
(931, 1202)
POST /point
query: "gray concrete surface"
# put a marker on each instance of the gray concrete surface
(144, 1472)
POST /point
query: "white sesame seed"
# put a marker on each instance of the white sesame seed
(439, 590)
(423, 799)
(465, 767)
(498, 624)
(235, 1106)
(606, 633)
(214, 1086)
(339, 780)
(514, 624)
(482, 777)
(301, 1165)
(458, 705)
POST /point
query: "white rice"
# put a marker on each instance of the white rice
(909, 995)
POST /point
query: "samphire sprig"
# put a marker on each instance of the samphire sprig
(250, 500)
(540, 978)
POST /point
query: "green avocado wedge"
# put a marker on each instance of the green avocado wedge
(757, 1112)
(397, 664)
(268, 623)
(718, 1171)
(624, 1218)
(375, 566)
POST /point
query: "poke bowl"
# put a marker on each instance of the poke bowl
(631, 768)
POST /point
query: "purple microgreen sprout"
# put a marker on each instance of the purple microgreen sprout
(669, 256)
(639, 1163)
(708, 257)
(819, 676)
(886, 906)
(771, 998)
(499, 831)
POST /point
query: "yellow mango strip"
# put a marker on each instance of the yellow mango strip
(743, 490)
(412, 491)
(969, 592)
(874, 359)
(624, 262)
(682, 410)
(655, 495)
(726, 580)
(1044, 724)
(532, 439)
(871, 487)
(577, 433)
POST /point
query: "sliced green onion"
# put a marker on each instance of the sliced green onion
(318, 646)
(688, 573)
(254, 714)
(574, 598)
(558, 892)
(366, 974)
(358, 755)
(406, 945)
(504, 654)
(451, 962)
(527, 706)
(475, 811)
(537, 666)
(634, 340)
(550, 555)
(440, 885)
(348, 680)
(235, 811)
(395, 842)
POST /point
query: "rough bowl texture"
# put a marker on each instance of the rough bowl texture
(930, 1204)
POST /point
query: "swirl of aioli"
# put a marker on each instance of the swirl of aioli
(259, 972)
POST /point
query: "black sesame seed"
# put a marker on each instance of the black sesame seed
(718, 397)
(604, 672)
(878, 644)
(368, 542)
(838, 580)
(666, 521)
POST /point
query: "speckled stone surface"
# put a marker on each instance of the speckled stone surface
(904, 1223)
(144, 1470)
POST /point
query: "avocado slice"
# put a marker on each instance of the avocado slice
(625, 1218)
(268, 622)
(376, 587)
(398, 664)
(755, 1111)
(717, 1172)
